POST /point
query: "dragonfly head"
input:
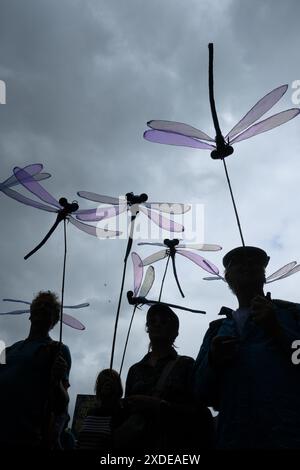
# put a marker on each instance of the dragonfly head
(135, 199)
(130, 297)
(74, 206)
(68, 207)
(63, 202)
(223, 149)
(171, 243)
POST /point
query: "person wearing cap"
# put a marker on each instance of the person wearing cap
(244, 368)
(158, 389)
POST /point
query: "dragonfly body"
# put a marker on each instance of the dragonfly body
(143, 300)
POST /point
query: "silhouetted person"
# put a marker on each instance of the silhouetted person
(98, 427)
(34, 381)
(244, 367)
(158, 388)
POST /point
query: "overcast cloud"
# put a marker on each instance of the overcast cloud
(83, 77)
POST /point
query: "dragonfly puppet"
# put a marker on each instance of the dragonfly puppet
(173, 247)
(64, 211)
(180, 134)
(132, 204)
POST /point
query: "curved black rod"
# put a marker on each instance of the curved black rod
(58, 220)
(211, 93)
(129, 245)
(163, 279)
(175, 274)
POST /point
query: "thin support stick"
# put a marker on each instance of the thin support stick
(233, 202)
(127, 338)
(63, 283)
(163, 279)
(129, 245)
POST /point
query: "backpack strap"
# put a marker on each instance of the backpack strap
(160, 384)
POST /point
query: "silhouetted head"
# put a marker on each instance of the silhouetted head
(108, 385)
(162, 324)
(44, 311)
(245, 268)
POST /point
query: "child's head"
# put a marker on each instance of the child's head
(108, 385)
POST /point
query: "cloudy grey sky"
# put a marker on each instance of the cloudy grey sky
(83, 77)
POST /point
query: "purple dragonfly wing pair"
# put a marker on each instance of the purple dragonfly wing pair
(180, 134)
(184, 250)
(285, 271)
(26, 179)
(151, 209)
(66, 318)
(140, 288)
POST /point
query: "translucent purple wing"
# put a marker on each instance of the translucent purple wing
(27, 201)
(15, 312)
(148, 281)
(214, 278)
(92, 230)
(281, 271)
(39, 177)
(200, 261)
(100, 198)
(151, 244)
(85, 304)
(168, 207)
(42, 176)
(161, 221)
(155, 257)
(267, 124)
(258, 110)
(200, 246)
(290, 273)
(72, 322)
(170, 138)
(33, 170)
(15, 300)
(138, 271)
(100, 213)
(34, 187)
(179, 128)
